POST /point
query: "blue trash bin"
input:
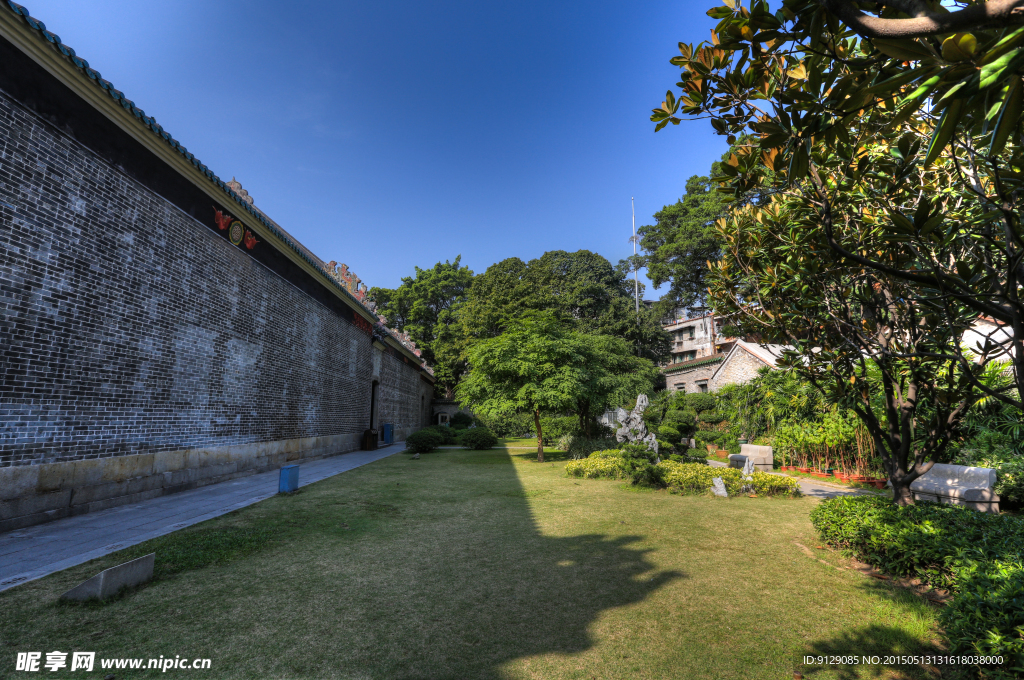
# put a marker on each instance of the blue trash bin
(289, 479)
(389, 433)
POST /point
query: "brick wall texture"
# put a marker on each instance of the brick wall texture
(127, 327)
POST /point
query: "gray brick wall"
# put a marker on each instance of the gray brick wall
(127, 327)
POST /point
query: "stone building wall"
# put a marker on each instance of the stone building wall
(739, 367)
(143, 353)
(686, 379)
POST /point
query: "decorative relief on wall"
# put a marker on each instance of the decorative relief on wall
(348, 280)
(223, 220)
(236, 232)
(250, 240)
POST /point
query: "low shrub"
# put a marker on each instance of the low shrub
(696, 478)
(641, 465)
(565, 442)
(447, 435)
(556, 427)
(599, 465)
(581, 448)
(975, 555)
(684, 421)
(478, 439)
(697, 456)
(423, 441)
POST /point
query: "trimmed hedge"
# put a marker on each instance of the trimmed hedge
(423, 441)
(477, 438)
(599, 465)
(975, 555)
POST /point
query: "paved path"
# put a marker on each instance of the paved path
(28, 554)
(815, 489)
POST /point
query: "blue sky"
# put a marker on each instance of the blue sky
(390, 135)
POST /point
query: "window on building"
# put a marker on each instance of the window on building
(692, 354)
(690, 332)
(702, 385)
(680, 387)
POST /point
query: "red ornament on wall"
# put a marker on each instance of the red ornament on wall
(222, 219)
(250, 240)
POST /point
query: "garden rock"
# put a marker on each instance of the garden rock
(718, 487)
(634, 429)
(110, 582)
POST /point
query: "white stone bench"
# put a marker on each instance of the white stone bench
(958, 485)
(760, 455)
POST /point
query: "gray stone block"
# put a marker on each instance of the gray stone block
(110, 582)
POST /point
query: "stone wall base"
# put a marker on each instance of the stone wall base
(33, 494)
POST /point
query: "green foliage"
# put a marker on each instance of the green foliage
(599, 465)
(427, 307)
(477, 438)
(682, 240)
(581, 289)
(508, 423)
(580, 447)
(683, 421)
(688, 455)
(540, 366)
(632, 461)
(423, 441)
(696, 478)
(671, 434)
(698, 402)
(975, 555)
(557, 427)
(461, 420)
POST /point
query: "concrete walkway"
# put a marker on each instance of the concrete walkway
(28, 554)
(815, 489)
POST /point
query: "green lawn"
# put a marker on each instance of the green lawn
(484, 565)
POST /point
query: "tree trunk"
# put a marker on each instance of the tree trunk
(901, 493)
(540, 436)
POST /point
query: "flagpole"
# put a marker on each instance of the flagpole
(636, 277)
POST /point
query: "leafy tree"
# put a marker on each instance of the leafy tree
(540, 366)
(680, 243)
(903, 115)
(581, 288)
(426, 306)
(894, 129)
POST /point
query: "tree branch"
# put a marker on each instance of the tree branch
(926, 23)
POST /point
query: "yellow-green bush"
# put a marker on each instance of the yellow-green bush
(696, 478)
(683, 477)
(599, 465)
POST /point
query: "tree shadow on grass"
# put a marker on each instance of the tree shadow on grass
(405, 569)
(873, 651)
(480, 585)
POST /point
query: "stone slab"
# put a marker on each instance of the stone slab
(110, 582)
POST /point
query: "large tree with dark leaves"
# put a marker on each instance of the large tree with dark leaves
(427, 307)
(680, 243)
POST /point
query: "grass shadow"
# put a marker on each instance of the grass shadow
(429, 568)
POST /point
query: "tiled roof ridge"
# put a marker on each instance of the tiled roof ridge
(718, 356)
(159, 131)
